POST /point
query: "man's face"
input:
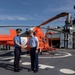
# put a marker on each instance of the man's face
(18, 33)
(31, 33)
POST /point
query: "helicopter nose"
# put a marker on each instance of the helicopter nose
(23, 40)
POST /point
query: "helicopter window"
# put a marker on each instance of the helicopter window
(46, 40)
(40, 37)
(43, 39)
(25, 34)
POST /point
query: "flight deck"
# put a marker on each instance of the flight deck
(61, 62)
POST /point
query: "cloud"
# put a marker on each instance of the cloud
(12, 18)
(20, 18)
(24, 2)
(62, 9)
(64, 6)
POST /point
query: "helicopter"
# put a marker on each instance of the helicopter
(43, 40)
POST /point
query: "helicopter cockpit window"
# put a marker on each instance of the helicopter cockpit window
(26, 33)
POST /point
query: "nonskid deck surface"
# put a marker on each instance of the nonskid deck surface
(61, 62)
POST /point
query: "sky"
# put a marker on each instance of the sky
(33, 12)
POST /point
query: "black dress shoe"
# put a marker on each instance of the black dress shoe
(30, 70)
(35, 71)
(16, 70)
(20, 68)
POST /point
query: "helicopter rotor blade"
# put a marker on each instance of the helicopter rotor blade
(15, 26)
(53, 18)
(47, 21)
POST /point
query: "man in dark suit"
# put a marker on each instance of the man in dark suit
(17, 50)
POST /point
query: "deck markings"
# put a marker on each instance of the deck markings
(41, 66)
(67, 71)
